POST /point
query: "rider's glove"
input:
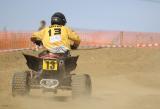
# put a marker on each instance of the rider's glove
(74, 46)
(37, 42)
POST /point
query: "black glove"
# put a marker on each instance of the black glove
(37, 42)
(74, 46)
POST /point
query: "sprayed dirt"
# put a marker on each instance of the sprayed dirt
(123, 78)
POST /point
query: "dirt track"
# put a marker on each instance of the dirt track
(122, 79)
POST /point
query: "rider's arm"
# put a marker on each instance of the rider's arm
(37, 37)
(73, 36)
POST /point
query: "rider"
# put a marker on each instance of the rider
(57, 38)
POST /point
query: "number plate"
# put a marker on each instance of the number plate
(50, 64)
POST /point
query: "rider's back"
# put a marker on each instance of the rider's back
(57, 35)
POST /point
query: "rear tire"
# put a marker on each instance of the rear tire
(20, 84)
(81, 86)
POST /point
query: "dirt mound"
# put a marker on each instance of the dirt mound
(123, 78)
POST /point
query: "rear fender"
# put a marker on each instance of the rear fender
(33, 62)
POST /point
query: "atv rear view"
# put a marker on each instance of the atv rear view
(51, 73)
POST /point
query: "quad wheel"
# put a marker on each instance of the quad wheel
(81, 86)
(20, 85)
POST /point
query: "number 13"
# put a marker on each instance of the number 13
(57, 31)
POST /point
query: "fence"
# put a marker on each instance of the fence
(21, 40)
(14, 40)
(120, 39)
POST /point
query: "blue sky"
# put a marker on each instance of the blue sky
(127, 15)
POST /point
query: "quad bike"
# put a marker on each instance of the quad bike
(50, 73)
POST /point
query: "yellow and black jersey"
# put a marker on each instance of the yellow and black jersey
(57, 35)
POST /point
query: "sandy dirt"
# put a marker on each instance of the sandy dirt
(122, 78)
